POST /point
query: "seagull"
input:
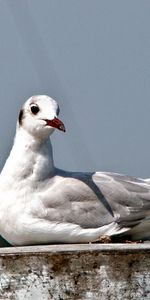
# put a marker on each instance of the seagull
(41, 204)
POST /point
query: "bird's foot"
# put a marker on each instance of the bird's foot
(103, 239)
(106, 239)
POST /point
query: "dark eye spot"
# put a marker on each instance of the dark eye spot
(20, 118)
(34, 109)
(58, 110)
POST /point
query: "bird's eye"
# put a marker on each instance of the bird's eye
(34, 109)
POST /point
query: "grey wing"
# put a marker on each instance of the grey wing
(75, 198)
(94, 200)
(128, 197)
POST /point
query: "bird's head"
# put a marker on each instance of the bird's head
(39, 116)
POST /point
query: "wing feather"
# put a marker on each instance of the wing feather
(93, 200)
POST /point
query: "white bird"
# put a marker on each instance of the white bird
(42, 204)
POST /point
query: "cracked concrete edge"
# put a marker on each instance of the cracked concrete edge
(72, 248)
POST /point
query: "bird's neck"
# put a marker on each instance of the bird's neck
(30, 159)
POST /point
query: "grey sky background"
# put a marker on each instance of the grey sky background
(94, 58)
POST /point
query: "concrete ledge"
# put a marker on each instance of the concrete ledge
(75, 272)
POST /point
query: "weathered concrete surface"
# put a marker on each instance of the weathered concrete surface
(79, 272)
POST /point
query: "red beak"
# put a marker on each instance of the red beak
(56, 123)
